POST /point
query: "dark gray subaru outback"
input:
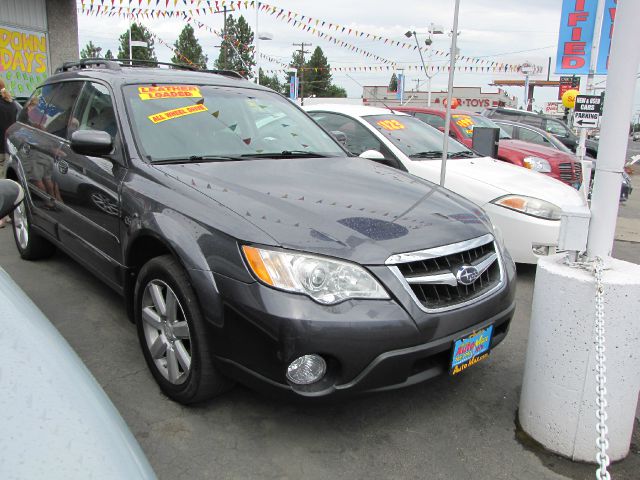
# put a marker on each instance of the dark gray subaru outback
(246, 242)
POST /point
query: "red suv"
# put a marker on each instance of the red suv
(557, 164)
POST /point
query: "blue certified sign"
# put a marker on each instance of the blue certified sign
(577, 25)
(606, 33)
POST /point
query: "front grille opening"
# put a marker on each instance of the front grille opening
(570, 172)
(442, 295)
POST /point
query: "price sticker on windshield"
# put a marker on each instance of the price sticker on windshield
(176, 113)
(390, 124)
(168, 91)
(464, 121)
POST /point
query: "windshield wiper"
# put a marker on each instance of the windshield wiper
(285, 154)
(427, 154)
(462, 154)
(198, 159)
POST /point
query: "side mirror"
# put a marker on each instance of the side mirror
(91, 142)
(11, 194)
(372, 155)
(341, 137)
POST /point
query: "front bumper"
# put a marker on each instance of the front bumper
(368, 345)
(522, 232)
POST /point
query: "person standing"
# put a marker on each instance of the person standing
(8, 113)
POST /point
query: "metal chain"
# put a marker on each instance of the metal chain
(602, 443)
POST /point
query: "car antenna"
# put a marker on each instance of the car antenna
(374, 94)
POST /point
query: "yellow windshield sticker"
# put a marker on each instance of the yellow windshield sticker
(168, 91)
(464, 121)
(391, 124)
(176, 113)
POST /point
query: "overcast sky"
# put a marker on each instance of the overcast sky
(506, 31)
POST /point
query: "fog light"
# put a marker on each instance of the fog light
(306, 369)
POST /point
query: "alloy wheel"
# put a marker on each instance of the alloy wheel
(166, 332)
(21, 225)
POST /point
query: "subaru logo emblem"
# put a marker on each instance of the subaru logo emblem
(467, 274)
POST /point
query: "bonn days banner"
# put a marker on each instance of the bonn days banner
(23, 59)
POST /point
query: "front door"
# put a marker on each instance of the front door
(89, 186)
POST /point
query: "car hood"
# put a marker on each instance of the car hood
(485, 179)
(533, 149)
(348, 208)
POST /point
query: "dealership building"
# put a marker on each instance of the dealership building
(36, 37)
(470, 98)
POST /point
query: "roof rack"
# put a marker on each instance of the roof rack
(117, 64)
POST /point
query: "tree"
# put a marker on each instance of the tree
(393, 83)
(90, 51)
(187, 45)
(236, 49)
(272, 82)
(138, 33)
(109, 55)
(336, 92)
(317, 75)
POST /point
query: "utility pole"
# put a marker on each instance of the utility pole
(223, 44)
(224, 37)
(302, 52)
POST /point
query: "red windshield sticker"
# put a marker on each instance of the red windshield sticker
(391, 124)
(168, 91)
(176, 113)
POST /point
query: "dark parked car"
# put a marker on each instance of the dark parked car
(246, 242)
(553, 125)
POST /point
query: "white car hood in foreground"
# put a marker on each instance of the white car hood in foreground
(484, 179)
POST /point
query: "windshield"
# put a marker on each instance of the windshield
(466, 124)
(415, 138)
(193, 122)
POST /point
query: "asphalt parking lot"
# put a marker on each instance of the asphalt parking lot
(453, 428)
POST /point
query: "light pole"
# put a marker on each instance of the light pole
(433, 30)
(260, 36)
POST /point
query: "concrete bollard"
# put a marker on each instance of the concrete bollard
(557, 403)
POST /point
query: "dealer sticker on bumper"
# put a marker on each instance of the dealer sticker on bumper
(471, 349)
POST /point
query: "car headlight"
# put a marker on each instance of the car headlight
(537, 164)
(324, 280)
(530, 206)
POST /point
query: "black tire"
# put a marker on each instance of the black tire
(32, 246)
(203, 380)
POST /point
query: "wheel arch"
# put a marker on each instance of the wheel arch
(148, 243)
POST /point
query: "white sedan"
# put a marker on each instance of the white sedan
(523, 204)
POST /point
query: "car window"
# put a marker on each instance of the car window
(94, 111)
(435, 121)
(413, 137)
(60, 106)
(466, 124)
(34, 112)
(172, 122)
(533, 137)
(531, 120)
(358, 138)
(556, 128)
(506, 128)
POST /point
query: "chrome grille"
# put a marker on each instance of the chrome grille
(570, 172)
(434, 279)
